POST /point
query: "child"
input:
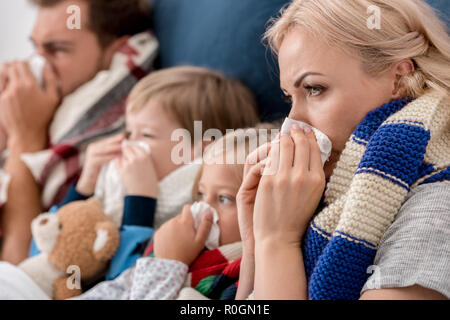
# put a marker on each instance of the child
(175, 262)
(139, 186)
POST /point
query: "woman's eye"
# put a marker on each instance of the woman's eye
(148, 135)
(314, 91)
(225, 199)
(127, 134)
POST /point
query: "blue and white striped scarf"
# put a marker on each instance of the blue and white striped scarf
(396, 147)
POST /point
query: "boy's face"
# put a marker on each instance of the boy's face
(154, 126)
(218, 186)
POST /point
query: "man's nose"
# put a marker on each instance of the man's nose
(41, 51)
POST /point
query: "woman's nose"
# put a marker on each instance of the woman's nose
(298, 114)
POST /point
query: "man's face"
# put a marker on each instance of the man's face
(75, 55)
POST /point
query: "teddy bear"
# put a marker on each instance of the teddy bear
(76, 244)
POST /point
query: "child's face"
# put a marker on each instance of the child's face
(154, 126)
(218, 186)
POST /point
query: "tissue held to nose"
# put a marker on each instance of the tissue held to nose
(37, 64)
(140, 144)
(198, 209)
(322, 140)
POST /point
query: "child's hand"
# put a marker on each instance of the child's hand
(178, 240)
(137, 172)
(97, 154)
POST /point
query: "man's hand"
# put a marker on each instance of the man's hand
(26, 109)
(3, 76)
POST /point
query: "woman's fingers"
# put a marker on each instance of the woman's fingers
(259, 154)
(273, 159)
(315, 157)
(302, 149)
(251, 180)
(286, 153)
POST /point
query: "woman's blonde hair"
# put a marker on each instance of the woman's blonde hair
(409, 29)
(191, 94)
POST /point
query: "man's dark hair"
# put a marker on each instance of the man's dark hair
(111, 19)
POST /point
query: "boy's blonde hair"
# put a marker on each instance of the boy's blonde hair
(409, 29)
(197, 94)
(235, 146)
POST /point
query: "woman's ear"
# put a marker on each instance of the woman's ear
(400, 70)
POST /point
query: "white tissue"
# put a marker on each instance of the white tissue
(37, 64)
(141, 144)
(197, 210)
(322, 140)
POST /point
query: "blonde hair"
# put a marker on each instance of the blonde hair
(191, 94)
(236, 144)
(409, 29)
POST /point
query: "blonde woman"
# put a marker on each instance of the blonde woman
(381, 203)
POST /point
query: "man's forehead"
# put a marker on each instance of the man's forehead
(52, 23)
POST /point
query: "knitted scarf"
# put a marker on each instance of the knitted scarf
(214, 273)
(396, 147)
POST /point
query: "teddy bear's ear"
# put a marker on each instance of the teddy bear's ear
(106, 242)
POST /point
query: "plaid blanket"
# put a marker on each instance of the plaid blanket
(93, 111)
(215, 273)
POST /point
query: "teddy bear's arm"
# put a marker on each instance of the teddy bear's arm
(61, 290)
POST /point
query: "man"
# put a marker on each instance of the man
(74, 57)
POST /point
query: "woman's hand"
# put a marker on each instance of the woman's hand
(97, 154)
(137, 172)
(178, 240)
(290, 189)
(245, 198)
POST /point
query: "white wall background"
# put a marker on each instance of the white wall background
(16, 22)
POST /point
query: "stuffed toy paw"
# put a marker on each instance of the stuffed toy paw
(76, 245)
